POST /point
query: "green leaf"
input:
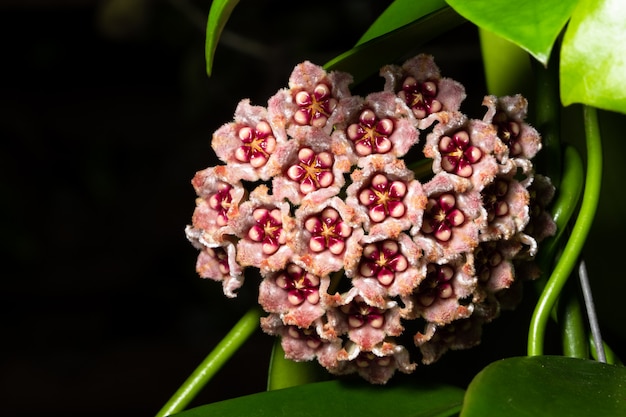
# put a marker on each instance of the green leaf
(593, 56)
(398, 14)
(218, 16)
(547, 386)
(366, 59)
(341, 398)
(533, 25)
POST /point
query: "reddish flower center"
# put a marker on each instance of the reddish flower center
(371, 135)
(494, 199)
(420, 97)
(458, 154)
(509, 131)
(309, 336)
(486, 257)
(267, 229)
(437, 284)
(314, 108)
(383, 198)
(441, 216)
(299, 284)
(313, 171)
(328, 231)
(367, 359)
(221, 257)
(382, 260)
(360, 314)
(257, 144)
(221, 201)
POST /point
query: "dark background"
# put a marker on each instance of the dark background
(106, 112)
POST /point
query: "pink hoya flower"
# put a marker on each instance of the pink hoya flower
(452, 221)
(217, 204)
(388, 268)
(506, 201)
(376, 366)
(358, 231)
(445, 294)
(312, 166)
(303, 344)
(508, 115)
(419, 84)
(295, 294)
(365, 324)
(314, 98)
(382, 124)
(219, 264)
(387, 198)
(464, 148)
(249, 142)
(328, 237)
(266, 230)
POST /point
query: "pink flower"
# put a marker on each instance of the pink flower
(507, 114)
(445, 294)
(219, 264)
(312, 166)
(376, 366)
(388, 268)
(506, 201)
(384, 125)
(314, 98)
(328, 237)
(217, 204)
(303, 344)
(419, 84)
(366, 325)
(249, 142)
(452, 221)
(464, 148)
(387, 198)
(266, 229)
(294, 294)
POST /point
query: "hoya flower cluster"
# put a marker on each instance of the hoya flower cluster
(369, 216)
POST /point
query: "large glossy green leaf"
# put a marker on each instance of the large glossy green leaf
(367, 58)
(540, 386)
(593, 56)
(531, 24)
(340, 398)
(398, 14)
(218, 16)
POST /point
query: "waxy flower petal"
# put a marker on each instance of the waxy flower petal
(249, 142)
(386, 196)
(419, 83)
(507, 114)
(464, 148)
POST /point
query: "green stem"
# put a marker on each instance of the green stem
(581, 228)
(563, 207)
(240, 332)
(573, 327)
(611, 357)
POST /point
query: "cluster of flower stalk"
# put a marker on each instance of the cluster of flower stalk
(386, 229)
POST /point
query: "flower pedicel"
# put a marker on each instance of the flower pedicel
(315, 192)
